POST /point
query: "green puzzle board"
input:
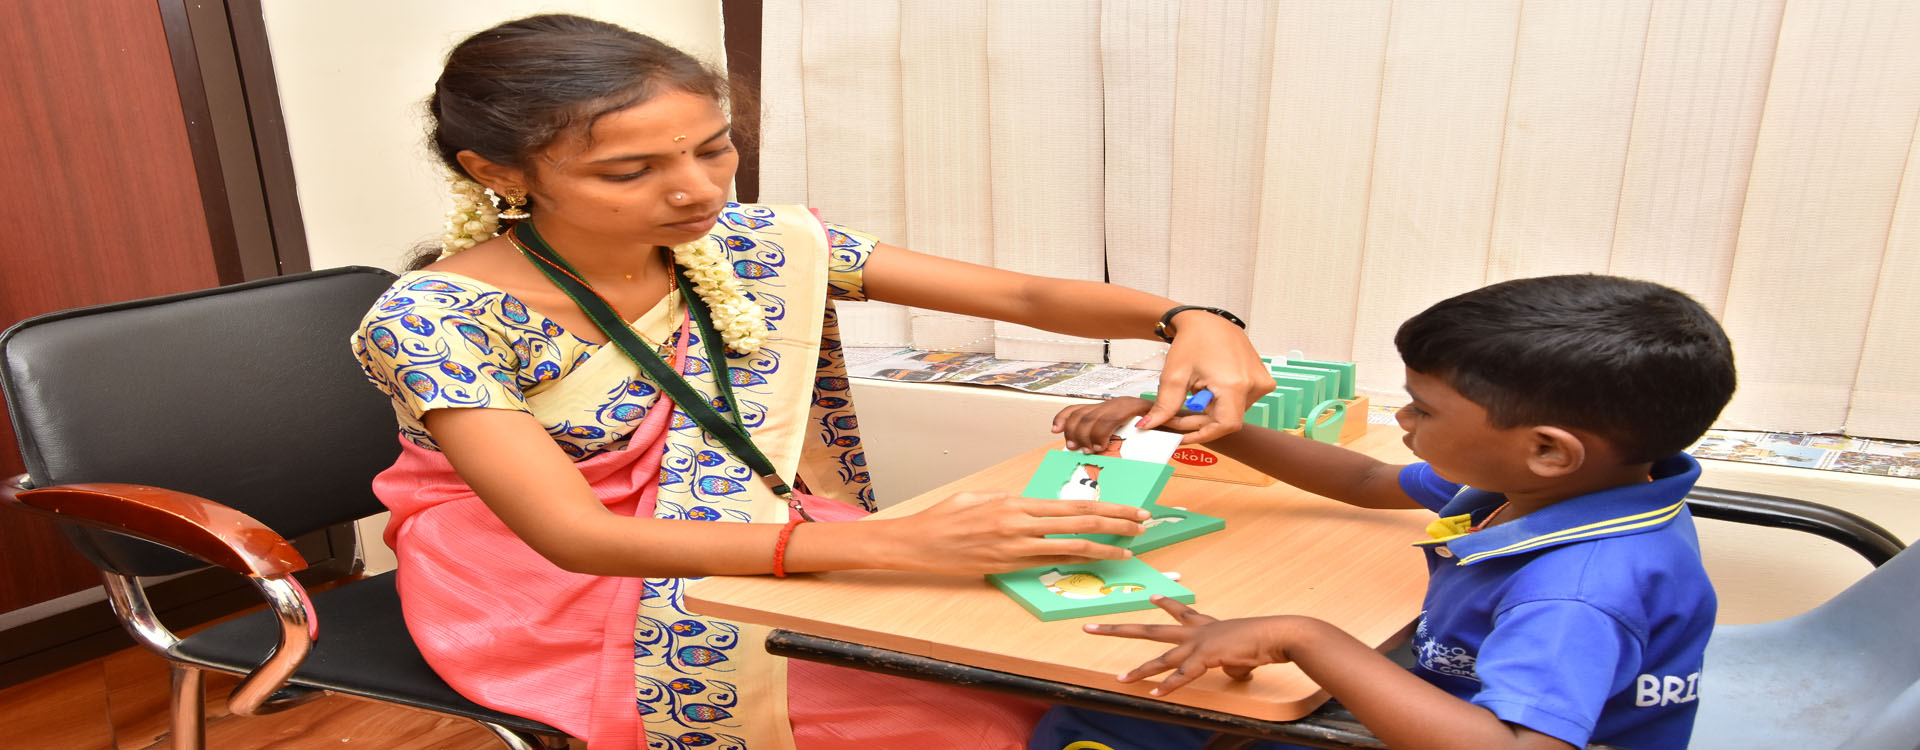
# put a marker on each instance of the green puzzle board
(1315, 386)
(1122, 481)
(1026, 588)
(1346, 369)
(1179, 526)
(1336, 378)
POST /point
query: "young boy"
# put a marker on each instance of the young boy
(1567, 603)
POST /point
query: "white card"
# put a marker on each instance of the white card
(1152, 446)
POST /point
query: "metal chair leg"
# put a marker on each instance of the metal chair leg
(518, 740)
(189, 708)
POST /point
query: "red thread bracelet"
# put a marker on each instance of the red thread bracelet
(780, 547)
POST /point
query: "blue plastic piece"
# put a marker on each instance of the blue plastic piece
(1199, 401)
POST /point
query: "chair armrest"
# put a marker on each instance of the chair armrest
(1874, 543)
(206, 530)
(194, 525)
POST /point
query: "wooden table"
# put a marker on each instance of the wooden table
(1283, 551)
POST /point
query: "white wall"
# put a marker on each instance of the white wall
(1765, 574)
(354, 76)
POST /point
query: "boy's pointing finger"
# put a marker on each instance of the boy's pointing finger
(1161, 633)
(1185, 614)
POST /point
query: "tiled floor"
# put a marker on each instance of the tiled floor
(119, 702)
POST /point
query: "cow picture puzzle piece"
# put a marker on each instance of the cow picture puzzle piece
(1166, 525)
(1131, 469)
(1066, 475)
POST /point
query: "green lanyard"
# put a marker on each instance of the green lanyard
(727, 428)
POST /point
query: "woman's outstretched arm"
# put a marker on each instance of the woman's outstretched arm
(517, 470)
(1207, 352)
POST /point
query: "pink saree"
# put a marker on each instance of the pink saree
(566, 657)
(571, 625)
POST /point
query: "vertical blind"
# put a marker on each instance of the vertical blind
(1331, 167)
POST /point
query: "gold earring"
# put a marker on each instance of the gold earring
(514, 212)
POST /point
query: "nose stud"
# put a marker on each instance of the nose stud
(679, 197)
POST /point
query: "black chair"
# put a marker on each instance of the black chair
(216, 425)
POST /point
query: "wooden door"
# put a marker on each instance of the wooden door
(104, 202)
(144, 156)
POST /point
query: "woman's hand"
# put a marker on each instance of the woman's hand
(1093, 425)
(1209, 353)
(997, 532)
(1202, 643)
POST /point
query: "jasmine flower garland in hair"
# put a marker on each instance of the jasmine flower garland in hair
(741, 323)
(472, 220)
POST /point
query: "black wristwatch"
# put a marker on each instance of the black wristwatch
(1164, 327)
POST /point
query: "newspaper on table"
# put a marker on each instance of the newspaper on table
(1890, 458)
(1057, 378)
(1813, 451)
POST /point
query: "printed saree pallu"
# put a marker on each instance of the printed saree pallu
(512, 631)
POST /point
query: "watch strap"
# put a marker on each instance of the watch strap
(1164, 328)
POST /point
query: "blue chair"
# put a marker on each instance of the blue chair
(1843, 676)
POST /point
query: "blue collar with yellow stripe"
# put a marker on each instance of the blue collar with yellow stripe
(1619, 511)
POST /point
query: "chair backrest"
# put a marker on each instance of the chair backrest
(246, 395)
(1878, 615)
(1895, 727)
(1842, 675)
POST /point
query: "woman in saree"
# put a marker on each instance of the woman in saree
(642, 384)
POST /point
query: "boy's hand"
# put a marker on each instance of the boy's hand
(1092, 425)
(1203, 642)
(1401, 709)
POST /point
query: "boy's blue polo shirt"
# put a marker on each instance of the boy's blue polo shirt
(1586, 620)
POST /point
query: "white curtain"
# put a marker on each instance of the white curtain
(1330, 167)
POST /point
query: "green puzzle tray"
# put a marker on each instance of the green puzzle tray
(1060, 592)
(1168, 526)
(1174, 525)
(1101, 587)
